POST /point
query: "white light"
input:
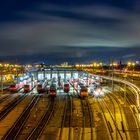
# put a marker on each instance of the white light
(101, 93)
(96, 93)
(21, 78)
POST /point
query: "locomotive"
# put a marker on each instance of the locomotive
(83, 91)
(14, 87)
(41, 87)
(53, 90)
(28, 87)
(66, 87)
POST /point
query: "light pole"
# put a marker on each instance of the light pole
(125, 76)
(131, 65)
(112, 78)
(112, 75)
(114, 66)
(1, 78)
(101, 65)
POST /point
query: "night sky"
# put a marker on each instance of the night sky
(77, 31)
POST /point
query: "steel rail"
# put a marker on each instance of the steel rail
(42, 122)
(116, 100)
(4, 112)
(109, 128)
(113, 120)
(86, 102)
(67, 116)
(2, 99)
(18, 125)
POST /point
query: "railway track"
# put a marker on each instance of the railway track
(87, 119)
(2, 99)
(67, 118)
(10, 99)
(130, 97)
(129, 111)
(36, 132)
(35, 115)
(119, 119)
(15, 129)
(112, 128)
(4, 112)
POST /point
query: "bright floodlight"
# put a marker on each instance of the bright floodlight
(98, 92)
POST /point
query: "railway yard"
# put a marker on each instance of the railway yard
(69, 116)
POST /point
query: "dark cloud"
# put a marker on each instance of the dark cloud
(81, 30)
